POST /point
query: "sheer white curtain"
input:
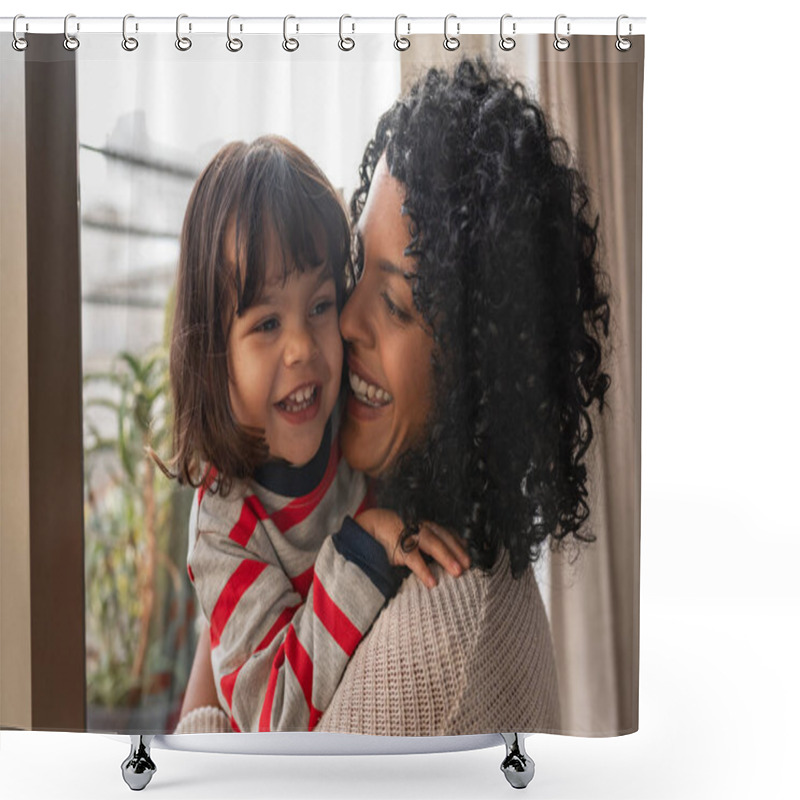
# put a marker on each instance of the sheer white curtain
(173, 110)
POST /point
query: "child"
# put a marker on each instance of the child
(255, 369)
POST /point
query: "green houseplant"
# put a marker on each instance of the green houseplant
(138, 602)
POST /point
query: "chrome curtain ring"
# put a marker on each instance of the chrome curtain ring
(19, 43)
(129, 43)
(289, 44)
(71, 42)
(401, 42)
(233, 44)
(622, 44)
(451, 42)
(507, 42)
(560, 42)
(345, 42)
(182, 42)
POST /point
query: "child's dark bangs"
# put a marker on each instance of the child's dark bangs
(288, 220)
(309, 223)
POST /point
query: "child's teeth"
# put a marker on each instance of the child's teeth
(302, 396)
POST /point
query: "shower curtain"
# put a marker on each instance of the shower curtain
(100, 623)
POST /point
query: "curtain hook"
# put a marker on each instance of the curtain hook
(401, 42)
(183, 43)
(19, 43)
(289, 44)
(71, 42)
(233, 45)
(346, 43)
(623, 45)
(451, 42)
(560, 42)
(507, 42)
(129, 43)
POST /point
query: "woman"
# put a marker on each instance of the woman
(479, 319)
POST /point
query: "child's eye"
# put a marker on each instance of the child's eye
(321, 307)
(267, 325)
(394, 309)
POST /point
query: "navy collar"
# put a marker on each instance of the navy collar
(284, 479)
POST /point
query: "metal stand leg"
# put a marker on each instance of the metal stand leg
(138, 768)
(518, 766)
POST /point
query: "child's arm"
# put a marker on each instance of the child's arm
(439, 543)
(278, 659)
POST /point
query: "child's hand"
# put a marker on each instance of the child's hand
(439, 543)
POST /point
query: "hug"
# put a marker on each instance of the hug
(387, 426)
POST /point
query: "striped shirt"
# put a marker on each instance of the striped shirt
(287, 600)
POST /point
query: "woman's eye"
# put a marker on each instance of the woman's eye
(267, 325)
(394, 309)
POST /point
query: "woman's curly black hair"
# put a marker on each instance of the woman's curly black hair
(509, 281)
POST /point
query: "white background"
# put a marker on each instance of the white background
(720, 604)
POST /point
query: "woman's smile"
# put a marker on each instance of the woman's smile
(388, 348)
(368, 393)
(366, 389)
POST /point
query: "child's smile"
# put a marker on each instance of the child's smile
(301, 404)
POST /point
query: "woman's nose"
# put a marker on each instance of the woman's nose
(300, 346)
(354, 319)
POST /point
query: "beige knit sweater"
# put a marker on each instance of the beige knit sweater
(472, 655)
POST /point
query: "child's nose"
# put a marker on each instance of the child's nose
(300, 346)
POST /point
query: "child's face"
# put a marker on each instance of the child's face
(285, 361)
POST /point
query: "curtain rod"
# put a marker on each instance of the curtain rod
(406, 26)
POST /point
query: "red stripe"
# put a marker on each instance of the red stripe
(208, 480)
(301, 507)
(283, 620)
(301, 664)
(191, 574)
(252, 511)
(228, 682)
(302, 583)
(265, 721)
(241, 580)
(292, 651)
(336, 622)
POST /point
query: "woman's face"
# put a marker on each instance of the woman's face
(389, 347)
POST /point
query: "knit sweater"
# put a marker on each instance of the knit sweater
(472, 655)
(287, 602)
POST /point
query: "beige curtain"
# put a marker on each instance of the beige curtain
(593, 94)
